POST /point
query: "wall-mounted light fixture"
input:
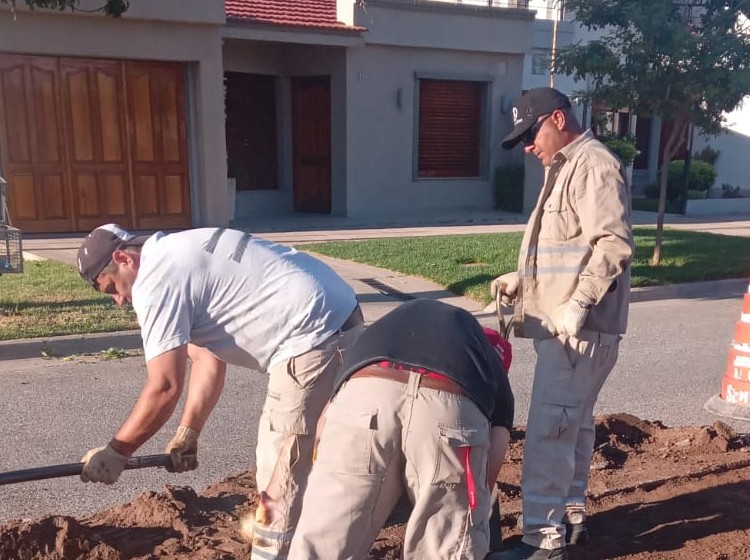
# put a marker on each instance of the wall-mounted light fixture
(400, 99)
(506, 103)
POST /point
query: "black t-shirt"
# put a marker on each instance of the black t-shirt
(441, 338)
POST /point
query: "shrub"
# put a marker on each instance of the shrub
(730, 191)
(509, 187)
(673, 190)
(696, 195)
(702, 176)
(707, 154)
(623, 147)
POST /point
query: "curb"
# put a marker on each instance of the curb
(59, 346)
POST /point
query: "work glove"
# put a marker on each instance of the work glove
(183, 448)
(505, 285)
(567, 319)
(103, 464)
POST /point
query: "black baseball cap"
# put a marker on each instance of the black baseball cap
(529, 107)
(95, 253)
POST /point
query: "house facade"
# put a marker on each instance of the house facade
(106, 120)
(400, 111)
(188, 113)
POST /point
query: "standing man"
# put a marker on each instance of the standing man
(220, 296)
(571, 296)
(423, 406)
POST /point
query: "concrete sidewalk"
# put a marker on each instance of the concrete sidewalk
(378, 290)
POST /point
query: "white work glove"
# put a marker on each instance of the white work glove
(505, 285)
(183, 448)
(103, 464)
(567, 319)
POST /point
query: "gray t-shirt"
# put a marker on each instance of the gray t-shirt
(249, 301)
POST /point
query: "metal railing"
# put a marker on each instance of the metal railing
(545, 9)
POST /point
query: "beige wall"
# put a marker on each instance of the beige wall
(198, 45)
(415, 23)
(380, 147)
(185, 11)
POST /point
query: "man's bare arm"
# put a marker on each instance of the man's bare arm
(206, 383)
(156, 403)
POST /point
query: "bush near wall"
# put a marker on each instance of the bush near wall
(623, 147)
(509, 187)
(702, 176)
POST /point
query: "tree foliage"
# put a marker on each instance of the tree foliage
(114, 8)
(686, 61)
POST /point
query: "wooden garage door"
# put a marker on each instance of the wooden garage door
(84, 142)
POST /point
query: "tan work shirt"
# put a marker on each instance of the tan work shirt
(578, 241)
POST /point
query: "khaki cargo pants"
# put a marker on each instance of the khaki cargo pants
(382, 438)
(559, 443)
(298, 390)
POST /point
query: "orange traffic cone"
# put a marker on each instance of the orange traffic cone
(734, 399)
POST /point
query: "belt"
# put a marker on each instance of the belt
(434, 381)
(355, 319)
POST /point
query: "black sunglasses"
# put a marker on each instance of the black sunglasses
(530, 135)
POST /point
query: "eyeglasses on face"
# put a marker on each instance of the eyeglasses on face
(529, 136)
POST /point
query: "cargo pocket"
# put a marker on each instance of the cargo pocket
(347, 440)
(293, 424)
(555, 421)
(448, 465)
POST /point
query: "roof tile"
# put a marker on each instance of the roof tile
(297, 13)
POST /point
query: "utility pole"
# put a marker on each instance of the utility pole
(553, 52)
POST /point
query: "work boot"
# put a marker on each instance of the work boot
(528, 552)
(575, 533)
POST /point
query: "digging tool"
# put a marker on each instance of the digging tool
(504, 325)
(73, 469)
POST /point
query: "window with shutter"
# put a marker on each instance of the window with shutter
(450, 128)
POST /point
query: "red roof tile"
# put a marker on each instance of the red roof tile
(297, 13)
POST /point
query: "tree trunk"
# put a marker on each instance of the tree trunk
(678, 131)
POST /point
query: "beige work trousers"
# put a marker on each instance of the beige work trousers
(559, 442)
(382, 438)
(298, 390)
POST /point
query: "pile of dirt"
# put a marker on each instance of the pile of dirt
(655, 493)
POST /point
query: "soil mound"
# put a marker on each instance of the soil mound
(655, 493)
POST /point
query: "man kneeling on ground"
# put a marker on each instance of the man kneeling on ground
(422, 405)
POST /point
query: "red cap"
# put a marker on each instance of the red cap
(501, 345)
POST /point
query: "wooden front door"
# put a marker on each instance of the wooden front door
(94, 108)
(156, 109)
(311, 142)
(32, 144)
(86, 142)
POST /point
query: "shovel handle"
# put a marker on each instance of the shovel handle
(73, 469)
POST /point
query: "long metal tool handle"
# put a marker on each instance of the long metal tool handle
(73, 469)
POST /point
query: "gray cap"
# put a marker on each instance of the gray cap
(95, 252)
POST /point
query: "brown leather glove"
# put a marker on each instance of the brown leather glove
(103, 464)
(183, 448)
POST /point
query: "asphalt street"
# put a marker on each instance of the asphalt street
(53, 411)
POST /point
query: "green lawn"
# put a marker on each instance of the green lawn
(466, 264)
(50, 299)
